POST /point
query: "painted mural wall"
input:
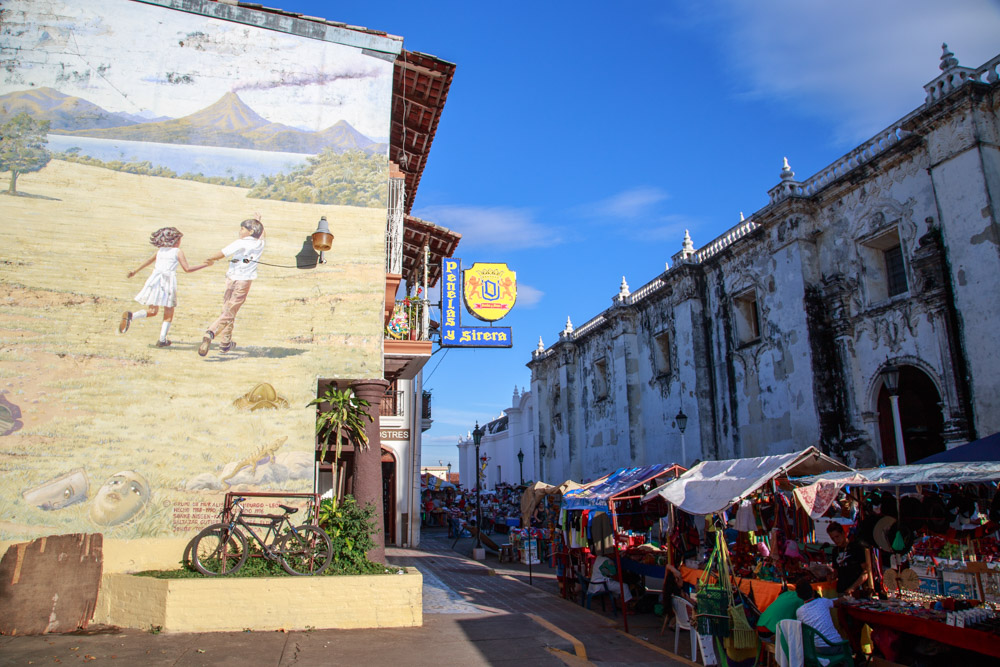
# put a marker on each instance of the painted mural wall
(139, 142)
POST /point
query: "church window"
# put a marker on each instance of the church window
(747, 317)
(661, 353)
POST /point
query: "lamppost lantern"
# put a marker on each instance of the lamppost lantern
(890, 376)
(520, 464)
(541, 459)
(682, 421)
(477, 437)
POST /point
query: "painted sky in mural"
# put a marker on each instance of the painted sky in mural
(115, 413)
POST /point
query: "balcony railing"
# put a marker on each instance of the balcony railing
(409, 320)
(425, 412)
(394, 228)
(392, 404)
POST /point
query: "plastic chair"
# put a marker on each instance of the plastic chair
(834, 653)
(683, 611)
(591, 590)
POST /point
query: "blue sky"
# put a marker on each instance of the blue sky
(580, 139)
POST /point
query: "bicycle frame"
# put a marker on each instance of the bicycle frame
(272, 522)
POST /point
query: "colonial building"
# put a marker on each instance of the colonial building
(507, 450)
(865, 291)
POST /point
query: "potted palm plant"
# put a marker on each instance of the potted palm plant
(341, 415)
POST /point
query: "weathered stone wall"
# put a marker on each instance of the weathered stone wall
(809, 370)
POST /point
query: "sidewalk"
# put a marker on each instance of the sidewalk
(474, 614)
(504, 586)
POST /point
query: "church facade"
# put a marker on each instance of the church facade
(855, 312)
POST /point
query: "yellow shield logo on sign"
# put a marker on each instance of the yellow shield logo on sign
(489, 290)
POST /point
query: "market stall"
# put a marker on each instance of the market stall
(931, 534)
(437, 496)
(601, 519)
(532, 542)
(773, 542)
(734, 533)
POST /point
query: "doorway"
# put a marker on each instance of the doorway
(389, 496)
(920, 417)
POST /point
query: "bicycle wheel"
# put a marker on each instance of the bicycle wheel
(219, 550)
(306, 551)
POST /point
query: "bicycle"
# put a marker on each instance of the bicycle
(222, 548)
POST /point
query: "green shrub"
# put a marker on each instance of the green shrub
(350, 527)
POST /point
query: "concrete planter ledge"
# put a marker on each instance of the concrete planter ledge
(226, 604)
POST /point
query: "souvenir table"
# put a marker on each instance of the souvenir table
(914, 620)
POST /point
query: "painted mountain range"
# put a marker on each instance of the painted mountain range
(228, 123)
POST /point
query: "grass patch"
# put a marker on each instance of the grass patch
(259, 567)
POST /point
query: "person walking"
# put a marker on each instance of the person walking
(243, 254)
(161, 286)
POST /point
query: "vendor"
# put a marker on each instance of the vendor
(816, 613)
(598, 577)
(848, 561)
(673, 586)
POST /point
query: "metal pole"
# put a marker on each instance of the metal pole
(479, 504)
(683, 451)
(898, 427)
(528, 552)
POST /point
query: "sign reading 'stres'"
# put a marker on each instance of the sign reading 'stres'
(499, 292)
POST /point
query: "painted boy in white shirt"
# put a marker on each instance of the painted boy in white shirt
(243, 254)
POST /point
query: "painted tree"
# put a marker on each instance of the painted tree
(22, 147)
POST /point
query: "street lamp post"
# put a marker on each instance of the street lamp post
(541, 460)
(449, 471)
(477, 436)
(890, 377)
(682, 422)
(520, 464)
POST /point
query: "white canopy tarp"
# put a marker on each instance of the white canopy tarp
(817, 492)
(713, 486)
(912, 475)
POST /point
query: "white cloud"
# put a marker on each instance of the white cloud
(528, 296)
(499, 227)
(860, 63)
(632, 203)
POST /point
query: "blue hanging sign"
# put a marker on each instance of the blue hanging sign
(453, 334)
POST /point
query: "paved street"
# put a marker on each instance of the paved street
(474, 614)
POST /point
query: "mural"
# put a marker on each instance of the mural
(163, 171)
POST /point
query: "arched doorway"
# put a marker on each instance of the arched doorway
(389, 495)
(919, 416)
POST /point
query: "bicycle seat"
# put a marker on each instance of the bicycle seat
(289, 510)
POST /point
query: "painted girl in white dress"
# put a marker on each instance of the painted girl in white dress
(161, 286)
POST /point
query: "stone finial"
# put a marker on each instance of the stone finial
(786, 172)
(569, 326)
(516, 394)
(688, 244)
(623, 288)
(541, 345)
(741, 216)
(948, 59)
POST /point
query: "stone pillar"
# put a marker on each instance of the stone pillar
(367, 471)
